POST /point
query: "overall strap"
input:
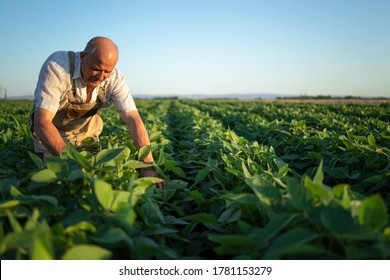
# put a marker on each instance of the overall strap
(71, 93)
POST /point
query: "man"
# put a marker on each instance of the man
(70, 90)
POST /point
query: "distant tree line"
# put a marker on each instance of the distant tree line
(328, 97)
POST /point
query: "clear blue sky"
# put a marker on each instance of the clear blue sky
(337, 47)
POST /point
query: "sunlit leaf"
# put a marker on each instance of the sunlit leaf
(44, 176)
(87, 252)
(104, 193)
(373, 212)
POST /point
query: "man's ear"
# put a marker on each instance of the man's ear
(82, 55)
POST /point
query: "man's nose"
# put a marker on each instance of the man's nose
(101, 76)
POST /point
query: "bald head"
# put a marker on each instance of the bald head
(102, 48)
(98, 60)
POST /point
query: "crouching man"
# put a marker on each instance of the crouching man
(71, 88)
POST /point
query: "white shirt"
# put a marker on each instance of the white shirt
(54, 81)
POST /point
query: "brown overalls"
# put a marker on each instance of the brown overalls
(75, 121)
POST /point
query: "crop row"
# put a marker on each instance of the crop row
(235, 187)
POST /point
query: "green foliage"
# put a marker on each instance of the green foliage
(244, 180)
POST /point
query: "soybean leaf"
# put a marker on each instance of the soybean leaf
(371, 140)
(58, 166)
(87, 252)
(144, 152)
(148, 247)
(111, 236)
(233, 243)
(373, 212)
(319, 177)
(104, 193)
(205, 218)
(340, 223)
(14, 222)
(267, 194)
(288, 241)
(107, 155)
(44, 176)
(275, 225)
(37, 160)
(42, 249)
(19, 239)
(300, 195)
(136, 164)
(9, 204)
(178, 172)
(119, 199)
(71, 152)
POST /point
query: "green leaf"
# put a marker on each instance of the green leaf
(87, 252)
(75, 174)
(230, 215)
(14, 222)
(198, 197)
(338, 172)
(37, 160)
(371, 140)
(81, 226)
(318, 190)
(9, 204)
(44, 176)
(205, 218)
(107, 155)
(146, 182)
(275, 225)
(152, 213)
(58, 166)
(247, 174)
(339, 222)
(300, 196)
(160, 230)
(136, 164)
(283, 171)
(41, 250)
(178, 172)
(148, 248)
(71, 152)
(319, 177)
(265, 191)
(125, 216)
(233, 240)
(373, 212)
(288, 241)
(113, 236)
(104, 193)
(15, 239)
(144, 152)
(343, 192)
(120, 199)
(47, 198)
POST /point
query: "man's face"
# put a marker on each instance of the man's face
(96, 68)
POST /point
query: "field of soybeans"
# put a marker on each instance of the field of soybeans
(244, 180)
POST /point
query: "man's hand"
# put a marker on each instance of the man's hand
(152, 173)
